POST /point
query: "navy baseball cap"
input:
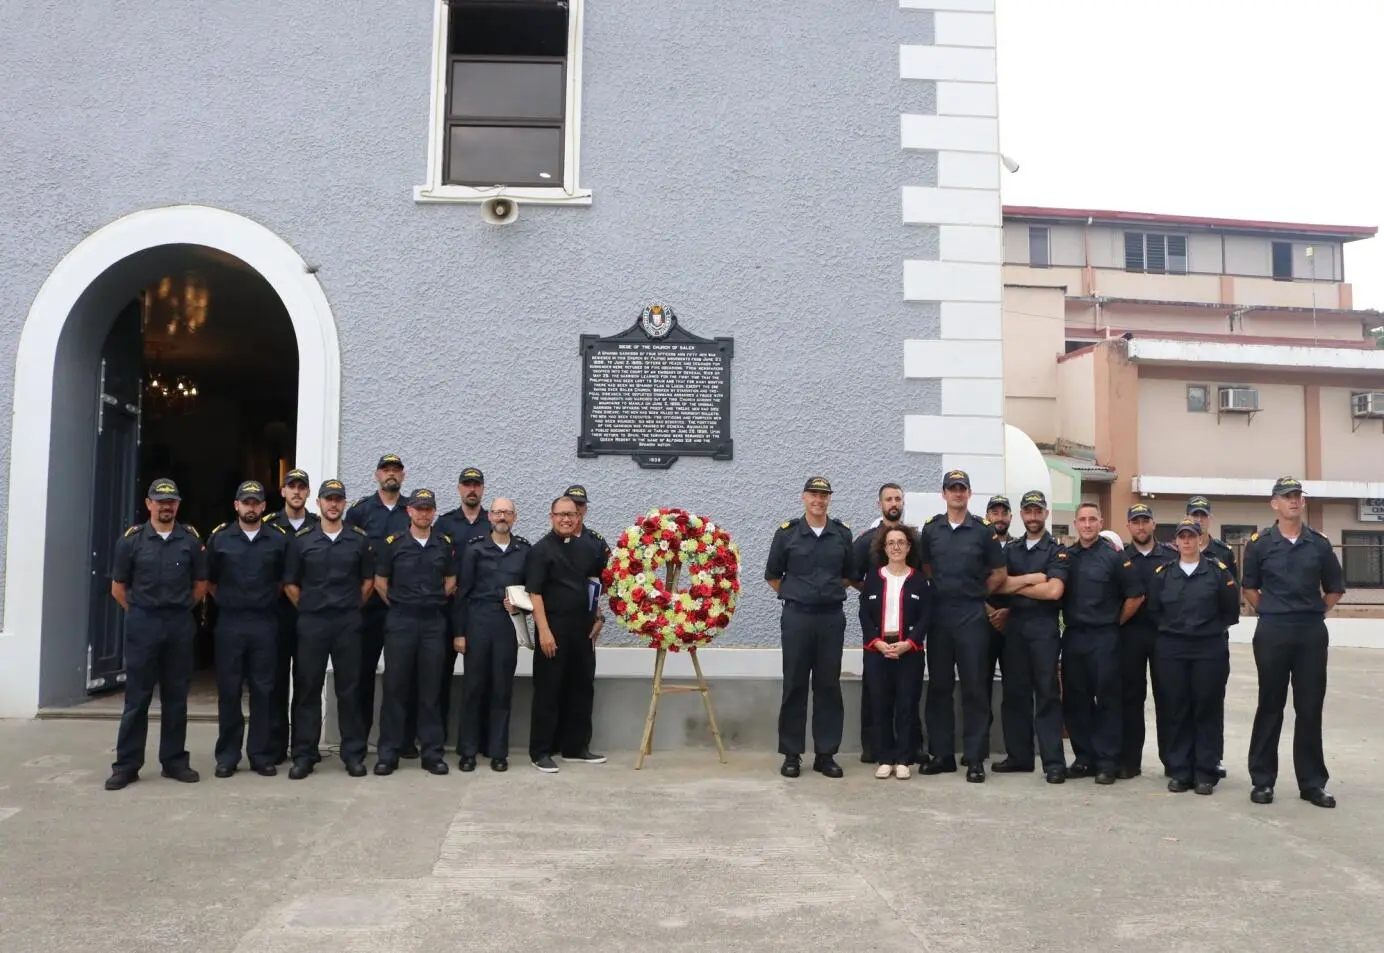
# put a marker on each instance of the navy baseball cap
(1139, 510)
(164, 489)
(577, 492)
(817, 484)
(1034, 498)
(956, 478)
(422, 498)
(471, 475)
(1285, 485)
(249, 490)
(297, 476)
(999, 499)
(1198, 504)
(389, 460)
(330, 488)
(1187, 525)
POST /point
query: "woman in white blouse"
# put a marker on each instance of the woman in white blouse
(895, 614)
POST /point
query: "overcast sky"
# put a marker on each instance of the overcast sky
(1239, 108)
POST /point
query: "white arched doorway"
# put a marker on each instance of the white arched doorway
(43, 452)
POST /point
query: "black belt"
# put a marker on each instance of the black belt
(814, 608)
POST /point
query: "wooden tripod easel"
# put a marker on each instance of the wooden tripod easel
(646, 746)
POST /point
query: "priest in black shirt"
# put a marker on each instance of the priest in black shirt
(562, 580)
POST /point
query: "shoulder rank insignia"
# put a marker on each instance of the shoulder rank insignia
(193, 530)
(267, 517)
(279, 528)
(216, 529)
(135, 529)
(304, 530)
(448, 539)
(595, 534)
(478, 539)
(359, 530)
(984, 521)
(1253, 537)
(1221, 564)
(1127, 564)
(784, 525)
(1062, 554)
(1159, 568)
(356, 502)
(933, 518)
(842, 523)
(517, 539)
(389, 539)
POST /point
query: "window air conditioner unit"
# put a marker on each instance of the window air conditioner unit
(1239, 400)
(1367, 404)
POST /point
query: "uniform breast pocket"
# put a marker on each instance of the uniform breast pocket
(1172, 592)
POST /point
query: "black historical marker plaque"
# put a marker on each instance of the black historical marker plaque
(655, 392)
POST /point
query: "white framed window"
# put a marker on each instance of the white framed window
(1155, 253)
(504, 116)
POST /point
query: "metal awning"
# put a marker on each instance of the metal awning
(1089, 470)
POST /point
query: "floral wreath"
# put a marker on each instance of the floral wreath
(668, 546)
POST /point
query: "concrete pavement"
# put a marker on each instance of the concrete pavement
(690, 855)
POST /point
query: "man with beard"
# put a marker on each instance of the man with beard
(1037, 576)
(160, 573)
(1103, 591)
(1199, 509)
(415, 575)
(558, 579)
(293, 517)
(811, 562)
(461, 525)
(1137, 639)
(381, 514)
(999, 513)
(967, 566)
(329, 573)
(485, 636)
(246, 568)
(890, 515)
(1292, 579)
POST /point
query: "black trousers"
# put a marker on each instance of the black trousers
(372, 621)
(1289, 653)
(281, 698)
(1031, 702)
(246, 653)
(487, 687)
(322, 635)
(449, 668)
(413, 659)
(564, 689)
(1091, 698)
(1137, 671)
(895, 687)
(959, 652)
(1191, 710)
(916, 751)
(159, 648)
(812, 643)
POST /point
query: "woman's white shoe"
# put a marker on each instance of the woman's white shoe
(901, 772)
(884, 771)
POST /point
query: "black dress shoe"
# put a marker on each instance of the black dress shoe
(1318, 796)
(383, 768)
(181, 773)
(224, 770)
(436, 767)
(1080, 769)
(1010, 766)
(1261, 794)
(266, 770)
(965, 761)
(356, 769)
(976, 775)
(1220, 768)
(467, 764)
(867, 757)
(280, 759)
(499, 764)
(1205, 787)
(939, 766)
(300, 770)
(1127, 772)
(1105, 777)
(827, 767)
(792, 766)
(1178, 786)
(1055, 775)
(408, 751)
(119, 780)
(1167, 771)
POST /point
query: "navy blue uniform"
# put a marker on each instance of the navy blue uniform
(491, 649)
(1099, 581)
(414, 651)
(379, 523)
(455, 526)
(895, 683)
(1290, 646)
(1192, 658)
(1137, 668)
(248, 575)
(281, 699)
(962, 560)
(329, 574)
(812, 571)
(160, 576)
(1032, 700)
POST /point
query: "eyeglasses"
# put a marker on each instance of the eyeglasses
(895, 542)
(501, 512)
(565, 516)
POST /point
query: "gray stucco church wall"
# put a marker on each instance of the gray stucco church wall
(746, 169)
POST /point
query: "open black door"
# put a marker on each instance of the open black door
(115, 492)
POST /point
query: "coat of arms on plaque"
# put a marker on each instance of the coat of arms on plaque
(657, 320)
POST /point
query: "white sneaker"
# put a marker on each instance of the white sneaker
(901, 772)
(884, 771)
